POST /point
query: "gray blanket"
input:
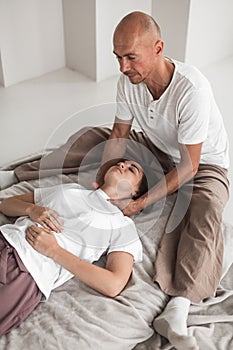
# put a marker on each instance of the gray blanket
(77, 317)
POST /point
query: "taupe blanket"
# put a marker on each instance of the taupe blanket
(77, 317)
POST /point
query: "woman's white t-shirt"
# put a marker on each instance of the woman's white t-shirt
(186, 113)
(92, 227)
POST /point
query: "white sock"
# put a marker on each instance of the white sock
(7, 178)
(172, 324)
(183, 342)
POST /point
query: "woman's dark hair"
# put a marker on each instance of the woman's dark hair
(143, 188)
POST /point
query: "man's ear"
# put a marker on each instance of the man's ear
(159, 45)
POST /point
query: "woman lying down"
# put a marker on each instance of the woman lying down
(60, 231)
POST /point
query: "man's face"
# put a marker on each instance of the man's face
(135, 55)
(126, 175)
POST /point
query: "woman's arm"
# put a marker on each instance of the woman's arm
(109, 281)
(22, 205)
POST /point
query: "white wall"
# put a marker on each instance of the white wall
(31, 38)
(108, 14)
(88, 27)
(1, 71)
(210, 32)
(80, 36)
(173, 17)
(32, 34)
(196, 31)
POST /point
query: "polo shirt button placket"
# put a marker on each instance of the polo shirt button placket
(151, 115)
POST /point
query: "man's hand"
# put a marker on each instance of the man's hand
(46, 217)
(99, 178)
(42, 240)
(128, 206)
(95, 185)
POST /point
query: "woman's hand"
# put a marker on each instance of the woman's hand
(42, 240)
(47, 218)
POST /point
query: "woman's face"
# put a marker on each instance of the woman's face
(126, 176)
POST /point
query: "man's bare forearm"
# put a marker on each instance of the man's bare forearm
(114, 149)
(115, 146)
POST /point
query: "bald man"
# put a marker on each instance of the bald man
(182, 127)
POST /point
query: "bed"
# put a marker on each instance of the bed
(77, 317)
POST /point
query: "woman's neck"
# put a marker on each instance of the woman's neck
(114, 192)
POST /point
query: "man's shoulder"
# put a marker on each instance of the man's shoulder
(190, 74)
